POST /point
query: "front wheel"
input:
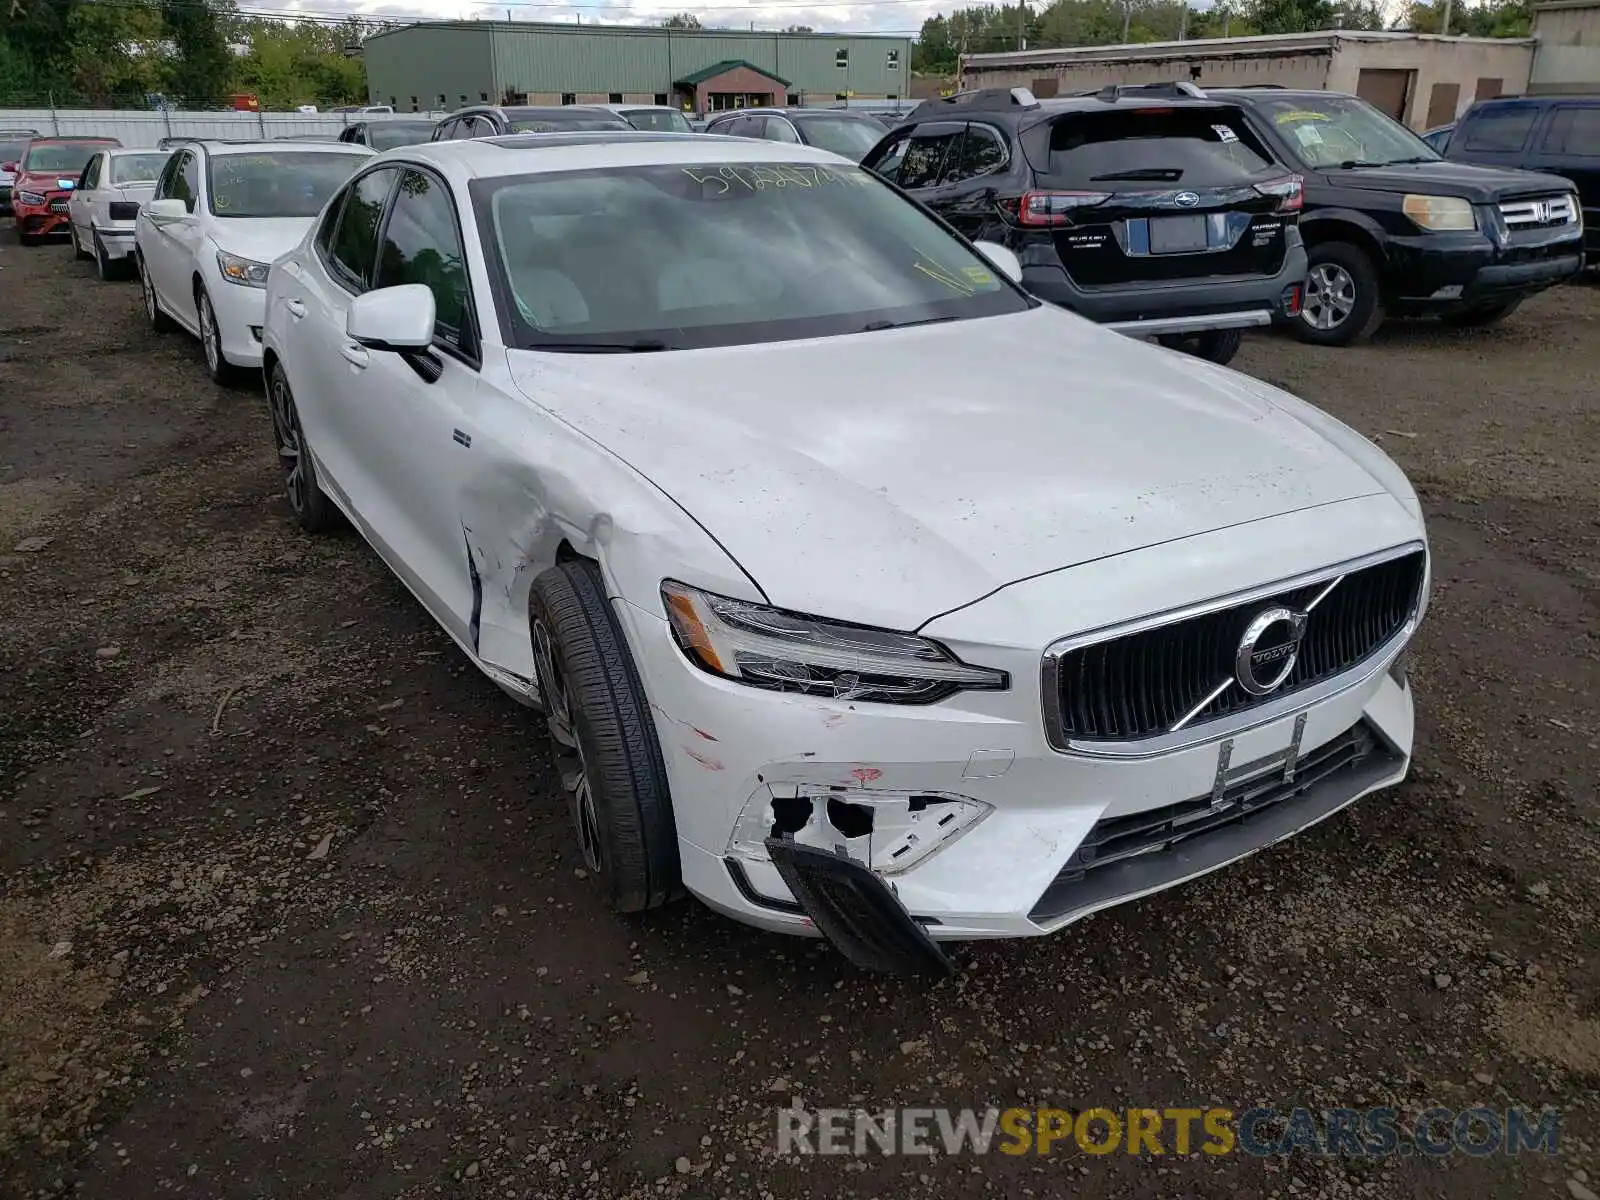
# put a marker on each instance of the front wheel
(1343, 304)
(605, 740)
(159, 321)
(1214, 345)
(310, 505)
(218, 367)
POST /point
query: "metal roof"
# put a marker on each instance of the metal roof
(1323, 41)
(723, 67)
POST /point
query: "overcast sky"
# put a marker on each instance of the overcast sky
(870, 16)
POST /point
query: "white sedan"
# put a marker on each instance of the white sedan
(864, 594)
(219, 214)
(104, 207)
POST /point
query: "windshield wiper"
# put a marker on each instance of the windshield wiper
(1160, 173)
(1351, 164)
(874, 326)
(643, 346)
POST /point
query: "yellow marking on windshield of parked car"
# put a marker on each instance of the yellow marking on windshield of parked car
(934, 270)
(1300, 114)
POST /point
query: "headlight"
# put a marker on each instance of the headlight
(769, 648)
(242, 270)
(30, 197)
(1442, 214)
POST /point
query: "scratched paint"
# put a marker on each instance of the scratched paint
(704, 760)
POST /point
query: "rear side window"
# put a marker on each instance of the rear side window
(1500, 130)
(982, 151)
(1574, 131)
(925, 158)
(1195, 147)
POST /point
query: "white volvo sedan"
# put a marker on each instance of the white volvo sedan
(219, 214)
(863, 594)
(103, 208)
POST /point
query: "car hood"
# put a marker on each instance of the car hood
(1482, 185)
(45, 181)
(261, 239)
(887, 477)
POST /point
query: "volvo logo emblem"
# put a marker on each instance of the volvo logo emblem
(1186, 199)
(1268, 650)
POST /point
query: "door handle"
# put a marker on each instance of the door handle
(355, 355)
(295, 308)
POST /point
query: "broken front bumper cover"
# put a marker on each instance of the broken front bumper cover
(856, 911)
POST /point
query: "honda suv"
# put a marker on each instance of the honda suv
(1152, 209)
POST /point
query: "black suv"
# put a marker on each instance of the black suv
(1393, 229)
(1153, 209)
(491, 120)
(386, 133)
(1558, 134)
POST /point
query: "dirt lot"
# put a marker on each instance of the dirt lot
(288, 908)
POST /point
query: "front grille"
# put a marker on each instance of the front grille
(1539, 212)
(1255, 801)
(1142, 684)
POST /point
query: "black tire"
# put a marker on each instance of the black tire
(1354, 301)
(78, 252)
(158, 320)
(27, 239)
(312, 509)
(1214, 345)
(221, 371)
(1480, 315)
(605, 740)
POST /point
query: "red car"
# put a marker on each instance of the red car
(46, 175)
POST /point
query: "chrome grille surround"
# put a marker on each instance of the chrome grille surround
(1191, 732)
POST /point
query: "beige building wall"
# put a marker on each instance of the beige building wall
(1473, 66)
(1425, 79)
(1568, 55)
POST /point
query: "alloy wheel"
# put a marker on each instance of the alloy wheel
(208, 334)
(557, 697)
(286, 429)
(150, 307)
(1330, 296)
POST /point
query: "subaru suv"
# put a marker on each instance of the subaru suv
(1152, 209)
(493, 120)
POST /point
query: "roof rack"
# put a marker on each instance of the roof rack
(979, 100)
(1251, 87)
(1182, 89)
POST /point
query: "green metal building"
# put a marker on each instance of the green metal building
(444, 64)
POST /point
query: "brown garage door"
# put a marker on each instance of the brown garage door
(1385, 90)
(1442, 104)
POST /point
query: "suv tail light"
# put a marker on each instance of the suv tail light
(1290, 191)
(1054, 208)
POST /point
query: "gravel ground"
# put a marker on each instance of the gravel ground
(288, 906)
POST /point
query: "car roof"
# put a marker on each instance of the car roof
(625, 107)
(536, 153)
(796, 111)
(222, 148)
(73, 139)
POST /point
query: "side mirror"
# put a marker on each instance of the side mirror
(1001, 259)
(167, 209)
(392, 318)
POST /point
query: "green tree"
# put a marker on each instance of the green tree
(202, 70)
(1289, 16)
(681, 20)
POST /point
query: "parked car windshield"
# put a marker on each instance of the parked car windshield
(11, 151)
(672, 257)
(566, 123)
(1330, 130)
(660, 120)
(61, 156)
(138, 168)
(386, 135)
(851, 137)
(1195, 147)
(279, 183)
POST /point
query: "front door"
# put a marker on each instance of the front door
(80, 208)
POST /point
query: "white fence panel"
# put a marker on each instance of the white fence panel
(140, 130)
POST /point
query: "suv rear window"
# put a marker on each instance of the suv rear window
(1197, 147)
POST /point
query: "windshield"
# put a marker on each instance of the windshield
(66, 157)
(1332, 130)
(11, 151)
(137, 168)
(285, 183)
(850, 136)
(661, 120)
(674, 257)
(386, 135)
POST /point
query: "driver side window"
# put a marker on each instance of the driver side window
(165, 181)
(185, 181)
(91, 174)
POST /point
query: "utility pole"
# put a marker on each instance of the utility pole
(1444, 27)
(1183, 20)
(1127, 18)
